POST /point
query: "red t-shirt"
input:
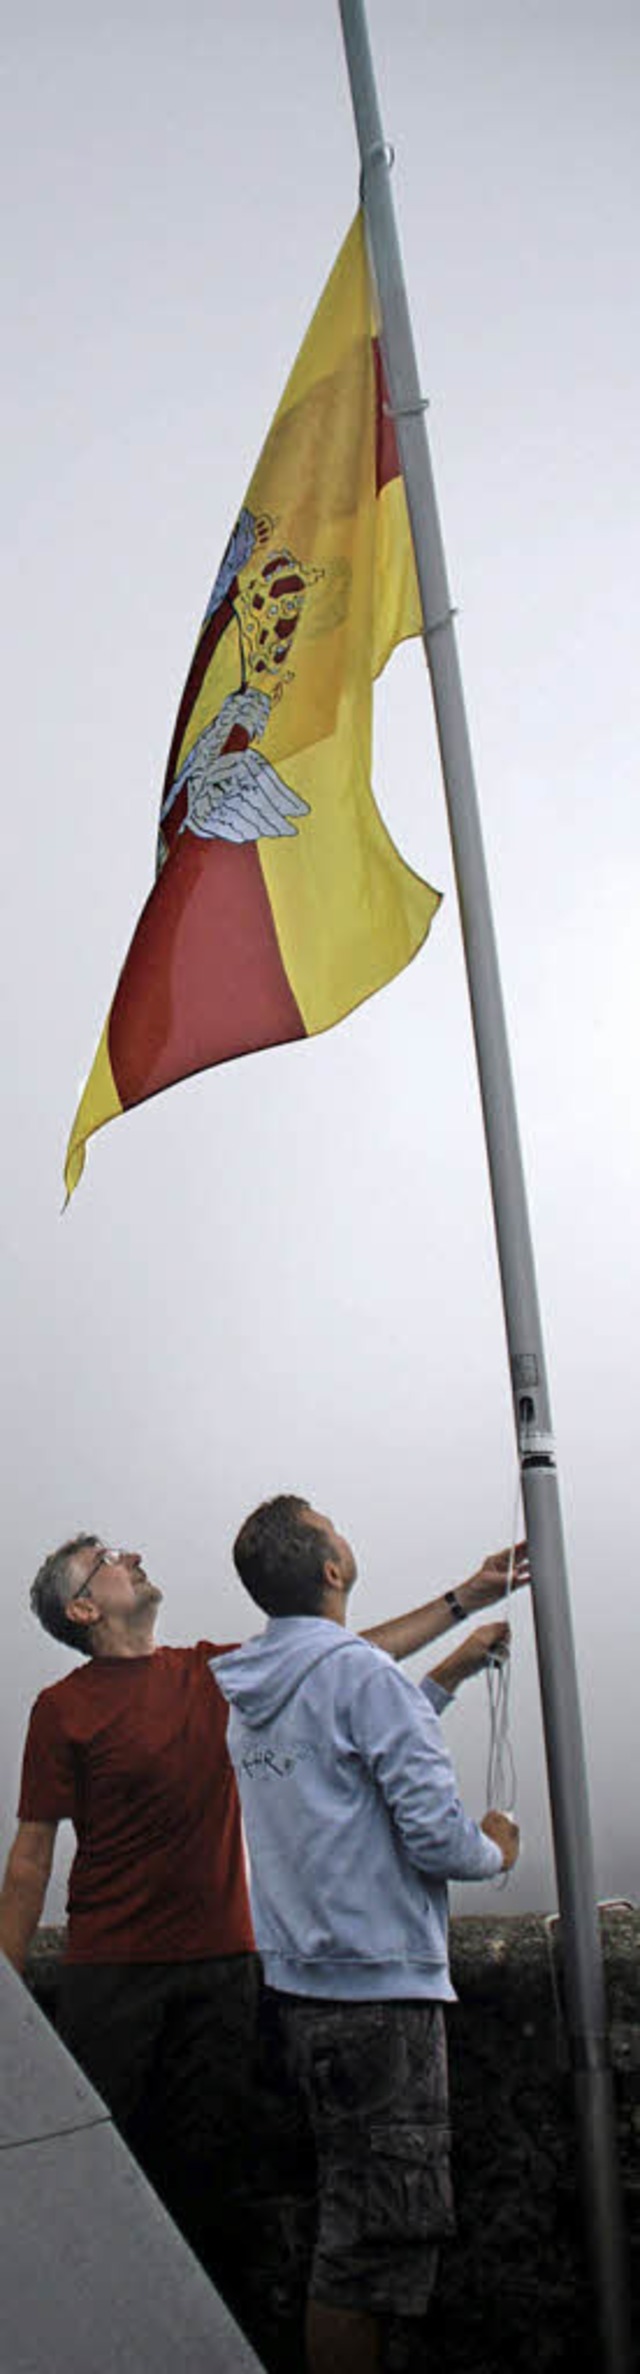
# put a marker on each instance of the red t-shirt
(133, 1752)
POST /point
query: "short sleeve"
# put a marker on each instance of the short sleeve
(215, 1648)
(48, 1786)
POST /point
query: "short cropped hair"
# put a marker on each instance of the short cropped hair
(281, 1558)
(51, 1592)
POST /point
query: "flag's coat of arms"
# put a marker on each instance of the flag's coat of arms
(231, 793)
(280, 901)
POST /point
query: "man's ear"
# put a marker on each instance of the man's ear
(332, 1577)
(82, 1612)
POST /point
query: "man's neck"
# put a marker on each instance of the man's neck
(118, 1641)
(334, 1607)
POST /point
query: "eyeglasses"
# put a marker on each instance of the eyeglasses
(105, 1558)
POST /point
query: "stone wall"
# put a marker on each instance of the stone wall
(514, 2291)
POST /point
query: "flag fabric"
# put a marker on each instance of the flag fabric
(280, 901)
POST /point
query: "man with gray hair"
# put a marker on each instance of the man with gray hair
(158, 1987)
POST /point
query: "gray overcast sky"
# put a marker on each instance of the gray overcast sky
(283, 1274)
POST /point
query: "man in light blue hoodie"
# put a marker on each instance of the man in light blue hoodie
(354, 1826)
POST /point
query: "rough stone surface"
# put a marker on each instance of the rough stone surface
(514, 2290)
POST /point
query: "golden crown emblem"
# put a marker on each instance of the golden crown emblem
(268, 607)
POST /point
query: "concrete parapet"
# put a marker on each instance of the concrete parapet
(93, 2273)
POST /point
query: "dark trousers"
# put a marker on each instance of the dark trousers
(171, 2049)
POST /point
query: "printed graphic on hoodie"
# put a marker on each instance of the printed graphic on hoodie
(278, 1761)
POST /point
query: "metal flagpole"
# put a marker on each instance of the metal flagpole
(583, 1973)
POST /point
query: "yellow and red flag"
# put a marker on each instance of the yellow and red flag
(280, 901)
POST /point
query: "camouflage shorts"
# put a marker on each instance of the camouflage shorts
(371, 2080)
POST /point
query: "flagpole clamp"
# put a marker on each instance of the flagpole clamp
(407, 411)
(380, 150)
(436, 626)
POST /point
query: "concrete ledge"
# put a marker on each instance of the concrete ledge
(93, 2274)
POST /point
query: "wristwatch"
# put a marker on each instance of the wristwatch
(457, 1610)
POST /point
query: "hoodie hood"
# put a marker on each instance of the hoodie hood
(260, 1678)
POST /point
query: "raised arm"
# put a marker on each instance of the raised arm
(25, 1887)
(400, 1636)
(488, 1645)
